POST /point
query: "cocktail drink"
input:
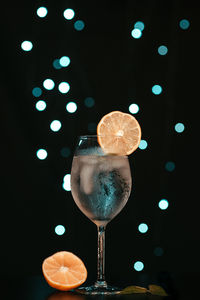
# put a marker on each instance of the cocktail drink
(100, 185)
(101, 180)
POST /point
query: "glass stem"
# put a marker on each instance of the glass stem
(101, 258)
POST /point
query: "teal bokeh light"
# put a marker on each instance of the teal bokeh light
(184, 24)
(156, 89)
(143, 144)
(139, 25)
(37, 92)
(170, 166)
(179, 127)
(79, 25)
(89, 102)
(162, 50)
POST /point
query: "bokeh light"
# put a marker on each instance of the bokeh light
(48, 84)
(184, 24)
(163, 204)
(41, 154)
(158, 251)
(40, 105)
(79, 25)
(143, 228)
(37, 92)
(133, 108)
(89, 102)
(143, 144)
(65, 152)
(170, 166)
(179, 127)
(59, 229)
(162, 50)
(139, 25)
(68, 14)
(138, 266)
(64, 61)
(56, 64)
(156, 89)
(55, 125)
(26, 45)
(136, 33)
(64, 87)
(67, 182)
(71, 107)
(42, 12)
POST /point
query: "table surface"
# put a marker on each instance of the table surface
(36, 288)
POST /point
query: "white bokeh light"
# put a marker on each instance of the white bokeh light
(40, 105)
(42, 12)
(138, 266)
(68, 14)
(163, 204)
(55, 125)
(59, 229)
(64, 87)
(133, 108)
(48, 84)
(67, 182)
(26, 45)
(71, 107)
(41, 154)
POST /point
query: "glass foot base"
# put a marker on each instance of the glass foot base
(98, 290)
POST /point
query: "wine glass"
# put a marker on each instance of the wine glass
(100, 186)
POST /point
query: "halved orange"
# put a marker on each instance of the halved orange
(119, 133)
(64, 271)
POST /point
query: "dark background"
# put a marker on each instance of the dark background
(116, 70)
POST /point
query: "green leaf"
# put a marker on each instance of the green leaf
(157, 290)
(134, 289)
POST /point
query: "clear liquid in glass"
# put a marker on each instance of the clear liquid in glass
(100, 185)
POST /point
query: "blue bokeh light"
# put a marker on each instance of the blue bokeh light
(139, 25)
(158, 251)
(65, 152)
(179, 127)
(89, 102)
(37, 92)
(170, 166)
(184, 24)
(156, 89)
(79, 25)
(162, 50)
(56, 64)
(143, 144)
